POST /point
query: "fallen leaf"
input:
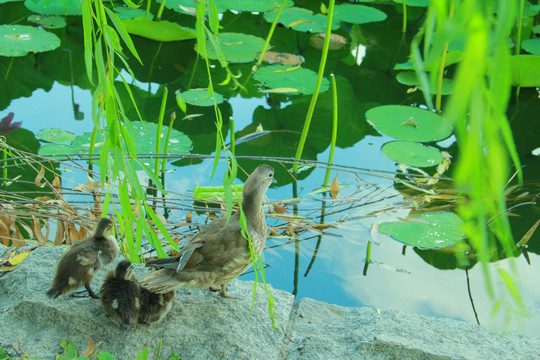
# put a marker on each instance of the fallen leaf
(17, 259)
(90, 187)
(91, 349)
(279, 209)
(59, 232)
(282, 58)
(161, 218)
(334, 188)
(36, 227)
(43, 198)
(39, 177)
(189, 216)
(291, 230)
(528, 235)
(7, 268)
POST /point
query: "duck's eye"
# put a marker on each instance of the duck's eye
(271, 174)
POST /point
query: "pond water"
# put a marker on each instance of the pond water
(328, 265)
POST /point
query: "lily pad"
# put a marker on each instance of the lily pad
(290, 79)
(302, 20)
(54, 7)
(199, 97)
(251, 5)
(412, 154)
(125, 13)
(188, 6)
(57, 136)
(55, 149)
(419, 3)
(236, 47)
(358, 14)
(409, 78)
(158, 30)
(19, 40)
(409, 123)
(428, 231)
(216, 192)
(48, 22)
(525, 70)
(532, 46)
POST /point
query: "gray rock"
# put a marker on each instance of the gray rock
(201, 325)
(324, 331)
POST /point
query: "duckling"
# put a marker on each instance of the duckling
(83, 259)
(154, 306)
(220, 252)
(120, 294)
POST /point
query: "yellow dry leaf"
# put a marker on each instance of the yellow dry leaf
(36, 227)
(291, 230)
(39, 177)
(189, 216)
(19, 258)
(334, 188)
(59, 232)
(279, 209)
(161, 218)
(43, 198)
(7, 268)
(90, 187)
(91, 349)
(282, 90)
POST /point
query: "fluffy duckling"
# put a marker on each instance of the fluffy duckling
(120, 294)
(154, 306)
(79, 264)
(219, 253)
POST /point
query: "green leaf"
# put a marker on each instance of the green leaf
(251, 5)
(19, 40)
(54, 7)
(57, 136)
(126, 13)
(358, 14)
(412, 154)
(419, 3)
(525, 70)
(158, 30)
(409, 78)
(216, 192)
(302, 20)
(105, 355)
(236, 47)
(48, 22)
(290, 79)
(198, 97)
(427, 231)
(409, 123)
(532, 46)
(55, 149)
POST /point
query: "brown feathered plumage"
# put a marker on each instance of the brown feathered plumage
(154, 306)
(120, 294)
(83, 259)
(218, 253)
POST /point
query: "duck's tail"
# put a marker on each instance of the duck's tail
(160, 281)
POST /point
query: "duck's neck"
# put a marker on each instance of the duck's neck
(252, 207)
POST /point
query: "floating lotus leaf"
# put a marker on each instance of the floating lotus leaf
(409, 78)
(125, 13)
(236, 47)
(188, 6)
(409, 123)
(144, 137)
(199, 97)
(532, 46)
(54, 7)
(55, 149)
(19, 40)
(48, 22)
(420, 3)
(301, 20)
(57, 136)
(158, 30)
(358, 14)
(289, 78)
(412, 154)
(251, 5)
(525, 70)
(427, 231)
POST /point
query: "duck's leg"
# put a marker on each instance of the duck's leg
(223, 293)
(90, 291)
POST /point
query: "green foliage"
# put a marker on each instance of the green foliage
(301, 20)
(19, 40)
(358, 14)
(290, 79)
(199, 97)
(412, 154)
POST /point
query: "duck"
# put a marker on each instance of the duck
(79, 264)
(219, 253)
(120, 294)
(154, 306)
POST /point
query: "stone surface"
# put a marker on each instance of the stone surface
(326, 331)
(201, 325)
